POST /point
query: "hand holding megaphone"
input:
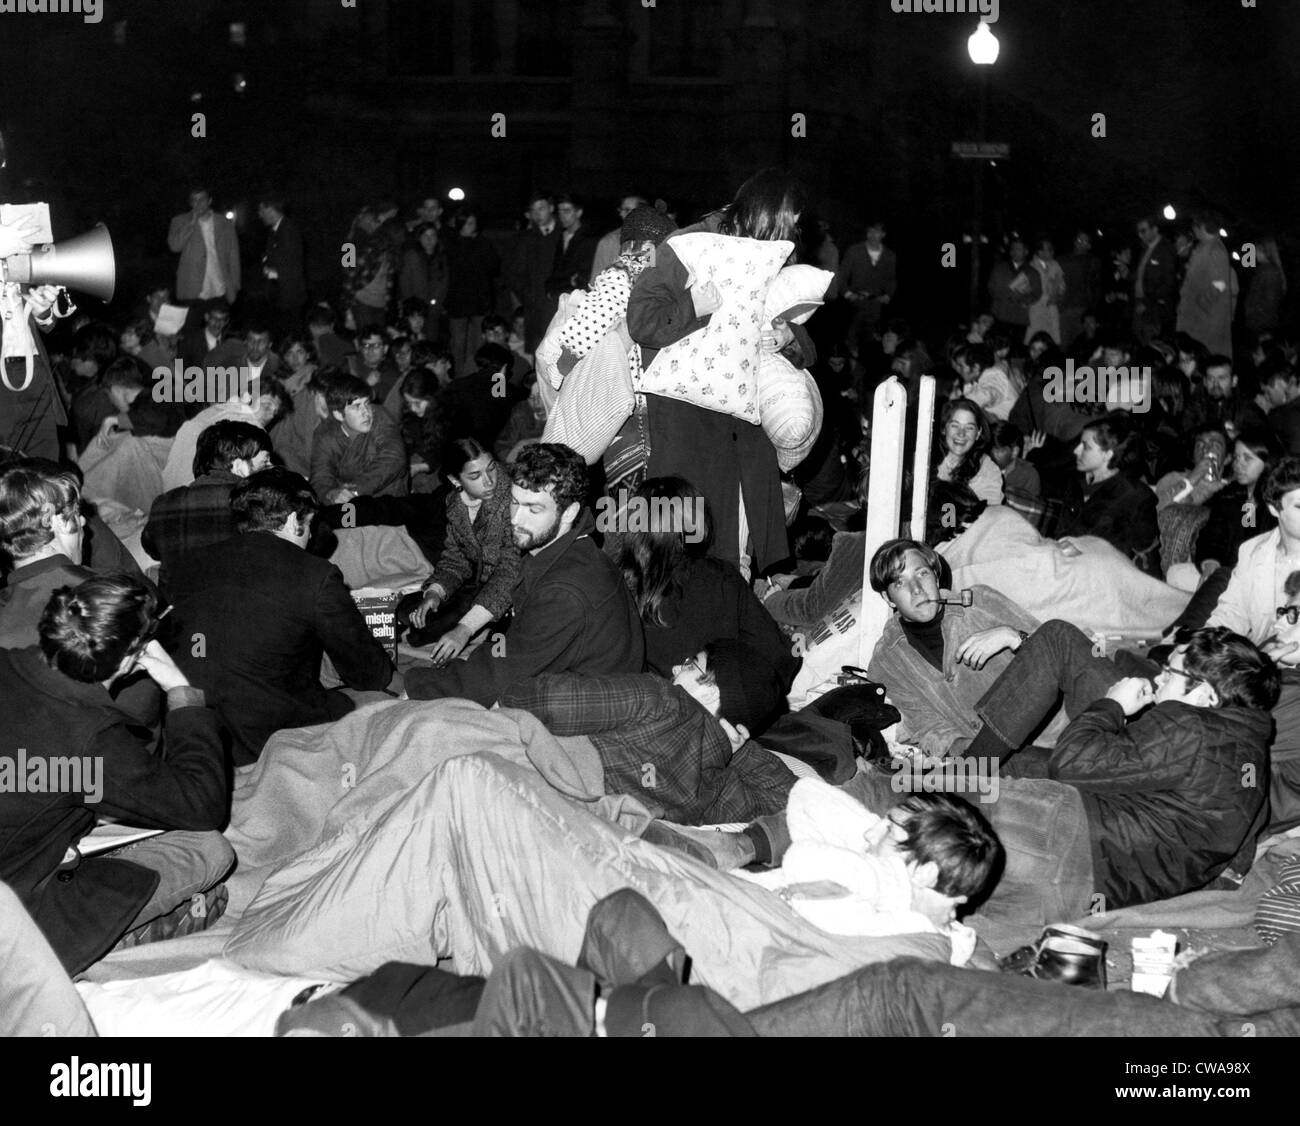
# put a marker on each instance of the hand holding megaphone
(83, 263)
(19, 237)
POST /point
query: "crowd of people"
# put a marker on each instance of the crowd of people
(498, 405)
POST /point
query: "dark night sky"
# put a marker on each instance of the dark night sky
(1201, 98)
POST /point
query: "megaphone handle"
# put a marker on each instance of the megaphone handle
(31, 374)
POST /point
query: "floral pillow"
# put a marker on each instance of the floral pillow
(717, 366)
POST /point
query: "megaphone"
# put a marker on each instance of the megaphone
(84, 263)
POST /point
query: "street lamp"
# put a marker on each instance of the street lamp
(983, 48)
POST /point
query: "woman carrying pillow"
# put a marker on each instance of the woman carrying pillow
(965, 439)
(732, 461)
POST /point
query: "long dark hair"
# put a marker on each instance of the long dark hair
(457, 454)
(654, 561)
(766, 207)
(974, 457)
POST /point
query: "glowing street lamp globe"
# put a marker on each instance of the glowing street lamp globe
(456, 195)
(983, 46)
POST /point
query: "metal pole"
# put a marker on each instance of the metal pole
(978, 231)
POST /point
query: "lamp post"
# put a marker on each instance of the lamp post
(983, 48)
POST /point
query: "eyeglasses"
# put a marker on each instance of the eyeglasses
(1290, 613)
(691, 663)
(1191, 680)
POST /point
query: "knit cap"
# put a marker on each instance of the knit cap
(645, 224)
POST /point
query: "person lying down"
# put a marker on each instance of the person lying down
(850, 871)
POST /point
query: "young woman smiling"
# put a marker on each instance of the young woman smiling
(965, 439)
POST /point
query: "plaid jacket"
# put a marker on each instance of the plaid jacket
(660, 745)
(190, 518)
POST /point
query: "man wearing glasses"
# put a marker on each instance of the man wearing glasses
(1173, 774)
(373, 365)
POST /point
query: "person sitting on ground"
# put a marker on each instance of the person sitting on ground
(372, 364)
(301, 360)
(474, 578)
(251, 353)
(265, 410)
(1109, 499)
(984, 382)
(1206, 475)
(1249, 605)
(681, 746)
(138, 339)
(1093, 816)
(265, 610)
(479, 403)
(938, 660)
(687, 598)
(195, 517)
(526, 424)
(1021, 485)
(292, 434)
(57, 707)
(42, 531)
(1191, 768)
(332, 349)
(119, 401)
(1236, 512)
(45, 534)
(572, 611)
(964, 440)
(422, 427)
(497, 330)
(358, 451)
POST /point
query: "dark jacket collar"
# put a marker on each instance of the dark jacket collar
(535, 567)
(40, 567)
(31, 666)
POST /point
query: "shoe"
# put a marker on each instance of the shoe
(665, 835)
(1071, 963)
(1064, 953)
(183, 920)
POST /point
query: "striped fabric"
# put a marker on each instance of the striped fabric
(1278, 912)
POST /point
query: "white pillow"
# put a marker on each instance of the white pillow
(790, 409)
(796, 293)
(717, 366)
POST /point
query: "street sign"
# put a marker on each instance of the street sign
(981, 150)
